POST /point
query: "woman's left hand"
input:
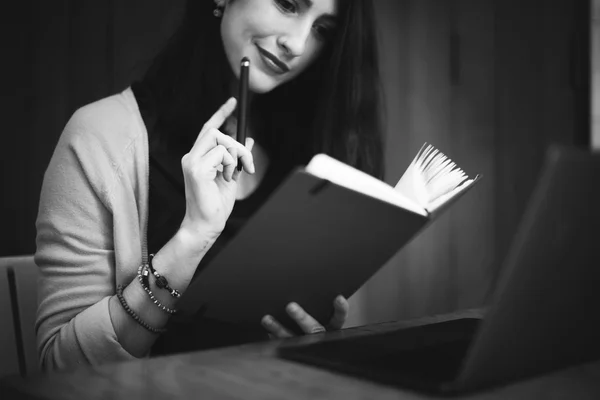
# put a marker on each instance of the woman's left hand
(306, 322)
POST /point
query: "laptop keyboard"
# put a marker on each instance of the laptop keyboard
(430, 353)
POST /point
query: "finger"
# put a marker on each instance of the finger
(230, 170)
(306, 322)
(244, 158)
(213, 137)
(275, 328)
(219, 156)
(341, 309)
(249, 146)
(210, 138)
(221, 115)
(236, 174)
(249, 143)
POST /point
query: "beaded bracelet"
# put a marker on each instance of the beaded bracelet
(161, 281)
(143, 278)
(133, 315)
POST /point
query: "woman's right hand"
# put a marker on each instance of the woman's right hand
(210, 175)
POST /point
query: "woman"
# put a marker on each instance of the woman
(153, 170)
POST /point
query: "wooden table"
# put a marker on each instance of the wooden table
(254, 372)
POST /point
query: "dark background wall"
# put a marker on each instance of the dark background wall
(595, 73)
(489, 82)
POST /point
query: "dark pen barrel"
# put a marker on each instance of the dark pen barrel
(243, 103)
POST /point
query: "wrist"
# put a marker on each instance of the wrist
(194, 242)
(178, 259)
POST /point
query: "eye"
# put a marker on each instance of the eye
(287, 5)
(322, 32)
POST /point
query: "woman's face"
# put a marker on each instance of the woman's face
(280, 37)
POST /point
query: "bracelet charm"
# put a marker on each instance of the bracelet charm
(161, 281)
(143, 278)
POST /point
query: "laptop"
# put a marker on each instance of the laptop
(544, 314)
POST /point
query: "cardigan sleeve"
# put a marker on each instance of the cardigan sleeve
(75, 253)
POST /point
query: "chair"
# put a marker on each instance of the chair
(18, 307)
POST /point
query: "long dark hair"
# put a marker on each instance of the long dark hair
(333, 107)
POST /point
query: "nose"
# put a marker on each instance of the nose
(294, 40)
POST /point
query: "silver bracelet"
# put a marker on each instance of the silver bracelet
(143, 275)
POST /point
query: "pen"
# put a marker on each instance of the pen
(243, 103)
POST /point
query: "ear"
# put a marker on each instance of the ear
(219, 8)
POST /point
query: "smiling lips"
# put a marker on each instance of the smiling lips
(272, 62)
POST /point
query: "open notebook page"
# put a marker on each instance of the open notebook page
(326, 167)
(432, 179)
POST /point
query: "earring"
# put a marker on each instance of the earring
(219, 6)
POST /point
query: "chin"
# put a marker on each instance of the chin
(262, 87)
(261, 83)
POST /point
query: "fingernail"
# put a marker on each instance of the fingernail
(317, 329)
(250, 143)
(267, 320)
(293, 307)
(339, 300)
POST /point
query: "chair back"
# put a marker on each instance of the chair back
(18, 307)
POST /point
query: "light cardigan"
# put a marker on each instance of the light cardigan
(91, 231)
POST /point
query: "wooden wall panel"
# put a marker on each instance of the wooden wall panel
(393, 18)
(472, 146)
(534, 102)
(426, 268)
(595, 74)
(415, 281)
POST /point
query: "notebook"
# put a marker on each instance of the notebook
(324, 221)
(543, 315)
